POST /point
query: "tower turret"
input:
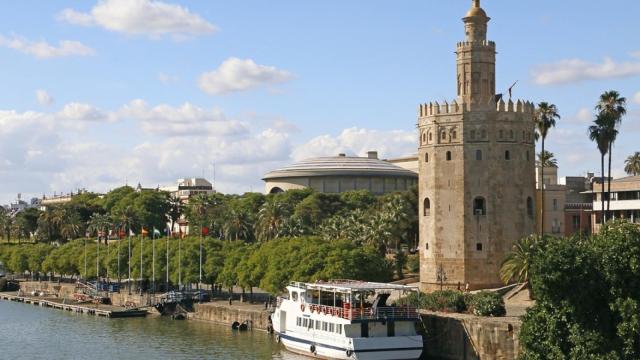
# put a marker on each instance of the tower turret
(476, 59)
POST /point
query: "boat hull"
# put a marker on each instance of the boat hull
(394, 348)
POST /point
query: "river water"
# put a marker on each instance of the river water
(31, 332)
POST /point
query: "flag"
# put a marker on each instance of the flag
(205, 231)
(87, 234)
(122, 234)
(131, 233)
(144, 232)
(156, 232)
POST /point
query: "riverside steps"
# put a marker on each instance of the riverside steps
(90, 309)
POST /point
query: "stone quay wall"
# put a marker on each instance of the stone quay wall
(468, 337)
(222, 313)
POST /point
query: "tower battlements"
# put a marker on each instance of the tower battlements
(489, 43)
(434, 108)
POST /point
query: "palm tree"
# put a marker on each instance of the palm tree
(516, 266)
(545, 117)
(632, 164)
(598, 133)
(175, 210)
(547, 159)
(5, 223)
(99, 223)
(271, 219)
(47, 219)
(237, 225)
(70, 226)
(613, 107)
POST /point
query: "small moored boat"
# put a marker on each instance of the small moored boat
(346, 319)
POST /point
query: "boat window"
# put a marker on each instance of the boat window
(318, 324)
(299, 321)
(305, 322)
(339, 328)
(391, 329)
(324, 326)
(310, 324)
(331, 327)
(294, 296)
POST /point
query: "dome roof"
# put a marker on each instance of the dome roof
(340, 165)
(476, 12)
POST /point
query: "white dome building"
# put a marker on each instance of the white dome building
(341, 173)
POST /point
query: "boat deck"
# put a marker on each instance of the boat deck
(90, 309)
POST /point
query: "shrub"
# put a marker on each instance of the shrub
(486, 303)
(413, 263)
(441, 300)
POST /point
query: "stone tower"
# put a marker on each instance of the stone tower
(476, 172)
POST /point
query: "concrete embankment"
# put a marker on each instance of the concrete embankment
(223, 313)
(468, 337)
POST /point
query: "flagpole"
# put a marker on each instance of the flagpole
(107, 267)
(141, 239)
(200, 277)
(97, 262)
(153, 261)
(180, 263)
(167, 268)
(85, 258)
(129, 262)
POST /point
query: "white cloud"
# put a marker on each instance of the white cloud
(636, 98)
(186, 119)
(43, 50)
(44, 98)
(357, 141)
(76, 111)
(167, 79)
(582, 117)
(239, 75)
(636, 54)
(141, 17)
(577, 70)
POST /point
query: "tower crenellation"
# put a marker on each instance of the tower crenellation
(476, 170)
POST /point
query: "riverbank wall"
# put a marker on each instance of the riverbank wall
(469, 337)
(449, 336)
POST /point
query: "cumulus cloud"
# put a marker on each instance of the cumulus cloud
(43, 97)
(43, 50)
(235, 75)
(155, 19)
(577, 70)
(76, 111)
(636, 98)
(357, 141)
(166, 78)
(186, 119)
(583, 116)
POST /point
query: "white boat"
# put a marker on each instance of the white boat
(346, 319)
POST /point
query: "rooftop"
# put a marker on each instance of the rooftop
(340, 165)
(351, 286)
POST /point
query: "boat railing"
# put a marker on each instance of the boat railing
(365, 313)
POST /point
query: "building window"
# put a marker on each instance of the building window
(430, 137)
(454, 134)
(576, 222)
(426, 246)
(424, 138)
(426, 157)
(530, 206)
(448, 155)
(507, 155)
(479, 246)
(555, 204)
(443, 135)
(478, 154)
(427, 207)
(473, 134)
(484, 134)
(527, 155)
(500, 133)
(479, 207)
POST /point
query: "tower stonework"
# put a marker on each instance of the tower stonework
(476, 171)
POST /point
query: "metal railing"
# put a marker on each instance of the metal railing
(366, 313)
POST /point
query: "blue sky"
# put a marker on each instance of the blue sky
(98, 93)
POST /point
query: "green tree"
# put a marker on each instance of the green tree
(545, 117)
(516, 266)
(632, 164)
(547, 158)
(599, 133)
(176, 209)
(99, 223)
(237, 225)
(272, 218)
(612, 107)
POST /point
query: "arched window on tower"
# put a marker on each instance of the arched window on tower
(530, 206)
(426, 157)
(479, 206)
(430, 137)
(443, 135)
(472, 135)
(427, 207)
(454, 134)
(478, 154)
(448, 155)
(424, 138)
(507, 155)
